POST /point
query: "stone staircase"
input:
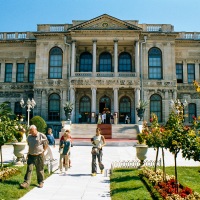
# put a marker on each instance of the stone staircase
(106, 130)
(120, 131)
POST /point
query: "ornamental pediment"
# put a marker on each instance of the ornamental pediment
(105, 22)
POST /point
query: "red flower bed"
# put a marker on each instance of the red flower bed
(170, 187)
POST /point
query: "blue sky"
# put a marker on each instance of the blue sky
(24, 15)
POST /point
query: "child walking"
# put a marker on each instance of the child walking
(65, 146)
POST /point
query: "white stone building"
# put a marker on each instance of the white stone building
(100, 63)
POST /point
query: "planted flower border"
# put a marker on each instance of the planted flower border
(167, 190)
(7, 172)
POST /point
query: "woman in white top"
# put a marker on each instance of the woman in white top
(98, 141)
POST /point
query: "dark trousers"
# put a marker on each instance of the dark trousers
(38, 161)
(94, 164)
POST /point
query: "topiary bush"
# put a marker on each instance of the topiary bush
(39, 123)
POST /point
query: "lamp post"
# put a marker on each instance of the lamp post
(30, 104)
(178, 107)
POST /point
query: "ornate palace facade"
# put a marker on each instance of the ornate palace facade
(101, 63)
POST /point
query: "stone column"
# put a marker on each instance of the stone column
(72, 100)
(14, 71)
(26, 71)
(137, 59)
(116, 57)
(116, 107)
(94, 97)
(94, 61)
(73, 58)
(2, 74)
(137, 99)
(196, 70)
(174, 94)
(43, 104)
(166, 105)
(63, 101)
(185, 79)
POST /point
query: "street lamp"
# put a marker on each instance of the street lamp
(30, 104)
(178, 107)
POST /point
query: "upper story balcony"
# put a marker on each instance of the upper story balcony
(16, 35)
(105, 74)
(189, 35)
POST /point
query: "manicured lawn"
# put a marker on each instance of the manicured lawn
(10, 188)
(126, 184)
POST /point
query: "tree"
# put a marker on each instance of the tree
(39, 123)
(9, 128)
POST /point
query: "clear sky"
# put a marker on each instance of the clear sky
(24, 15)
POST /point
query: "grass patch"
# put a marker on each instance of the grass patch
(125, 184)
(10, 188)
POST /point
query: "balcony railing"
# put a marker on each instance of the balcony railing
(16, 35)
(189, 35)
(105, 74)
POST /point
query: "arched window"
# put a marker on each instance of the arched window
(105, 62)
(85, 108)
(124, 62)
(54, 107)
(55, 63)
(155, 63)
(124, 109)
(156, 106)
(192, 111)
(85, 62)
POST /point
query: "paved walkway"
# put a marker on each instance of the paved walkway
(78, 184)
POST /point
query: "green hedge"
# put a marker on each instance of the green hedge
(39, 123)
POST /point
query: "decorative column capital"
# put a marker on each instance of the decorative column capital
(94, 40)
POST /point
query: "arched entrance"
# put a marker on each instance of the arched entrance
(104, 104)
(124, 109)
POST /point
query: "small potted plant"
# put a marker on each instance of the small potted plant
(141, 109)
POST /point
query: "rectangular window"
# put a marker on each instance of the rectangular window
(191, 72)
(31, 72)
(20, 72)
(8, 72)
(192, 112)
(179, 73)
(18, 109)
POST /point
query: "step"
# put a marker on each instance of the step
(122, 131)
(106, 130)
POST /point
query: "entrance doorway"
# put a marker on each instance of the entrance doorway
(102, 105)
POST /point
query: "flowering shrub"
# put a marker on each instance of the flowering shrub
(168, 189)
(7, 172)
(155, 177)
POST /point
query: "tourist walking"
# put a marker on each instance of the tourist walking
(64, 149)
(51, 140)
(98, 141)
(37, 143)
(70, 137)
